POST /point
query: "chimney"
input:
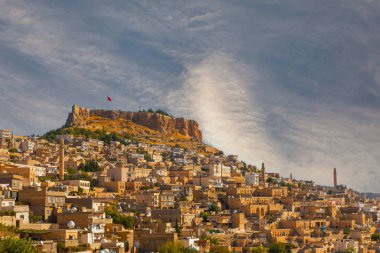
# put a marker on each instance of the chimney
(335, 178)
(61, 165)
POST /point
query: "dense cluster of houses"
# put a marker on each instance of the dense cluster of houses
(83, 195)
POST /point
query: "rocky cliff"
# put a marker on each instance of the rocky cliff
(79, 117)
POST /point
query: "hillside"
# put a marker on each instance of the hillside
(147, 127)
(164, 124)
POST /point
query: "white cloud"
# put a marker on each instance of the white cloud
(216, 93)
(295, 85)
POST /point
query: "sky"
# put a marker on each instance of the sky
(293, 84)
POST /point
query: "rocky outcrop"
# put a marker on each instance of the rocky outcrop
(164, 124)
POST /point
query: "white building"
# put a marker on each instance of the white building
(208, 181)
(252, 179)
(27, 146)
(84, 184)
(6, 134)
(345, 244)
(369, 208)
(191, 243)
(21, 211)
(219, 170)
(157, 158)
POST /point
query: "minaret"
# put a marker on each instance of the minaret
(335, 178)
(61, 165)
(263, 173)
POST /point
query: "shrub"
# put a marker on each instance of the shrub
(159, 111)
(214, 208)
(375, 237)
(89, 166)
(259, 249)
(219, 249)
(175, 247)
(277, 248)
(13, 150)
(36, 218)
(125, 220)
(148, 158)
(16, 245)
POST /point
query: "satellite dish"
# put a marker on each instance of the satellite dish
(104, 241)
(74, 209)
(102, 251)
(106, 251)
(71, 224)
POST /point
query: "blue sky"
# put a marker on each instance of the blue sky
(294, 84)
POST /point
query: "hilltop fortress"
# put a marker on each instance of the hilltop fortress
(155, 121)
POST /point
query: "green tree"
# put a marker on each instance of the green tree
(159, 111)
(89, 166)
(97, 134)
(7, 213)
(36, 218)
(276, 247)
(13, 150)
(204, 215)
(219, 249)
(289, 247)
(259, 249)
(12, 157)
(213, 240)
(128, 136)
(71, 171)
(375, 237)
(270, 180)
(175, 247)
(125, 220)
(148, 158)
(214, 208)
(177, 228)
(16, 245)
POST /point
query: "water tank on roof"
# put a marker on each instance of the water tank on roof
(71, 224)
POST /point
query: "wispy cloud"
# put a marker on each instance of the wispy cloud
(215, 92)
(293, 84)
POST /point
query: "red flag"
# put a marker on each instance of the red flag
(109, 99)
